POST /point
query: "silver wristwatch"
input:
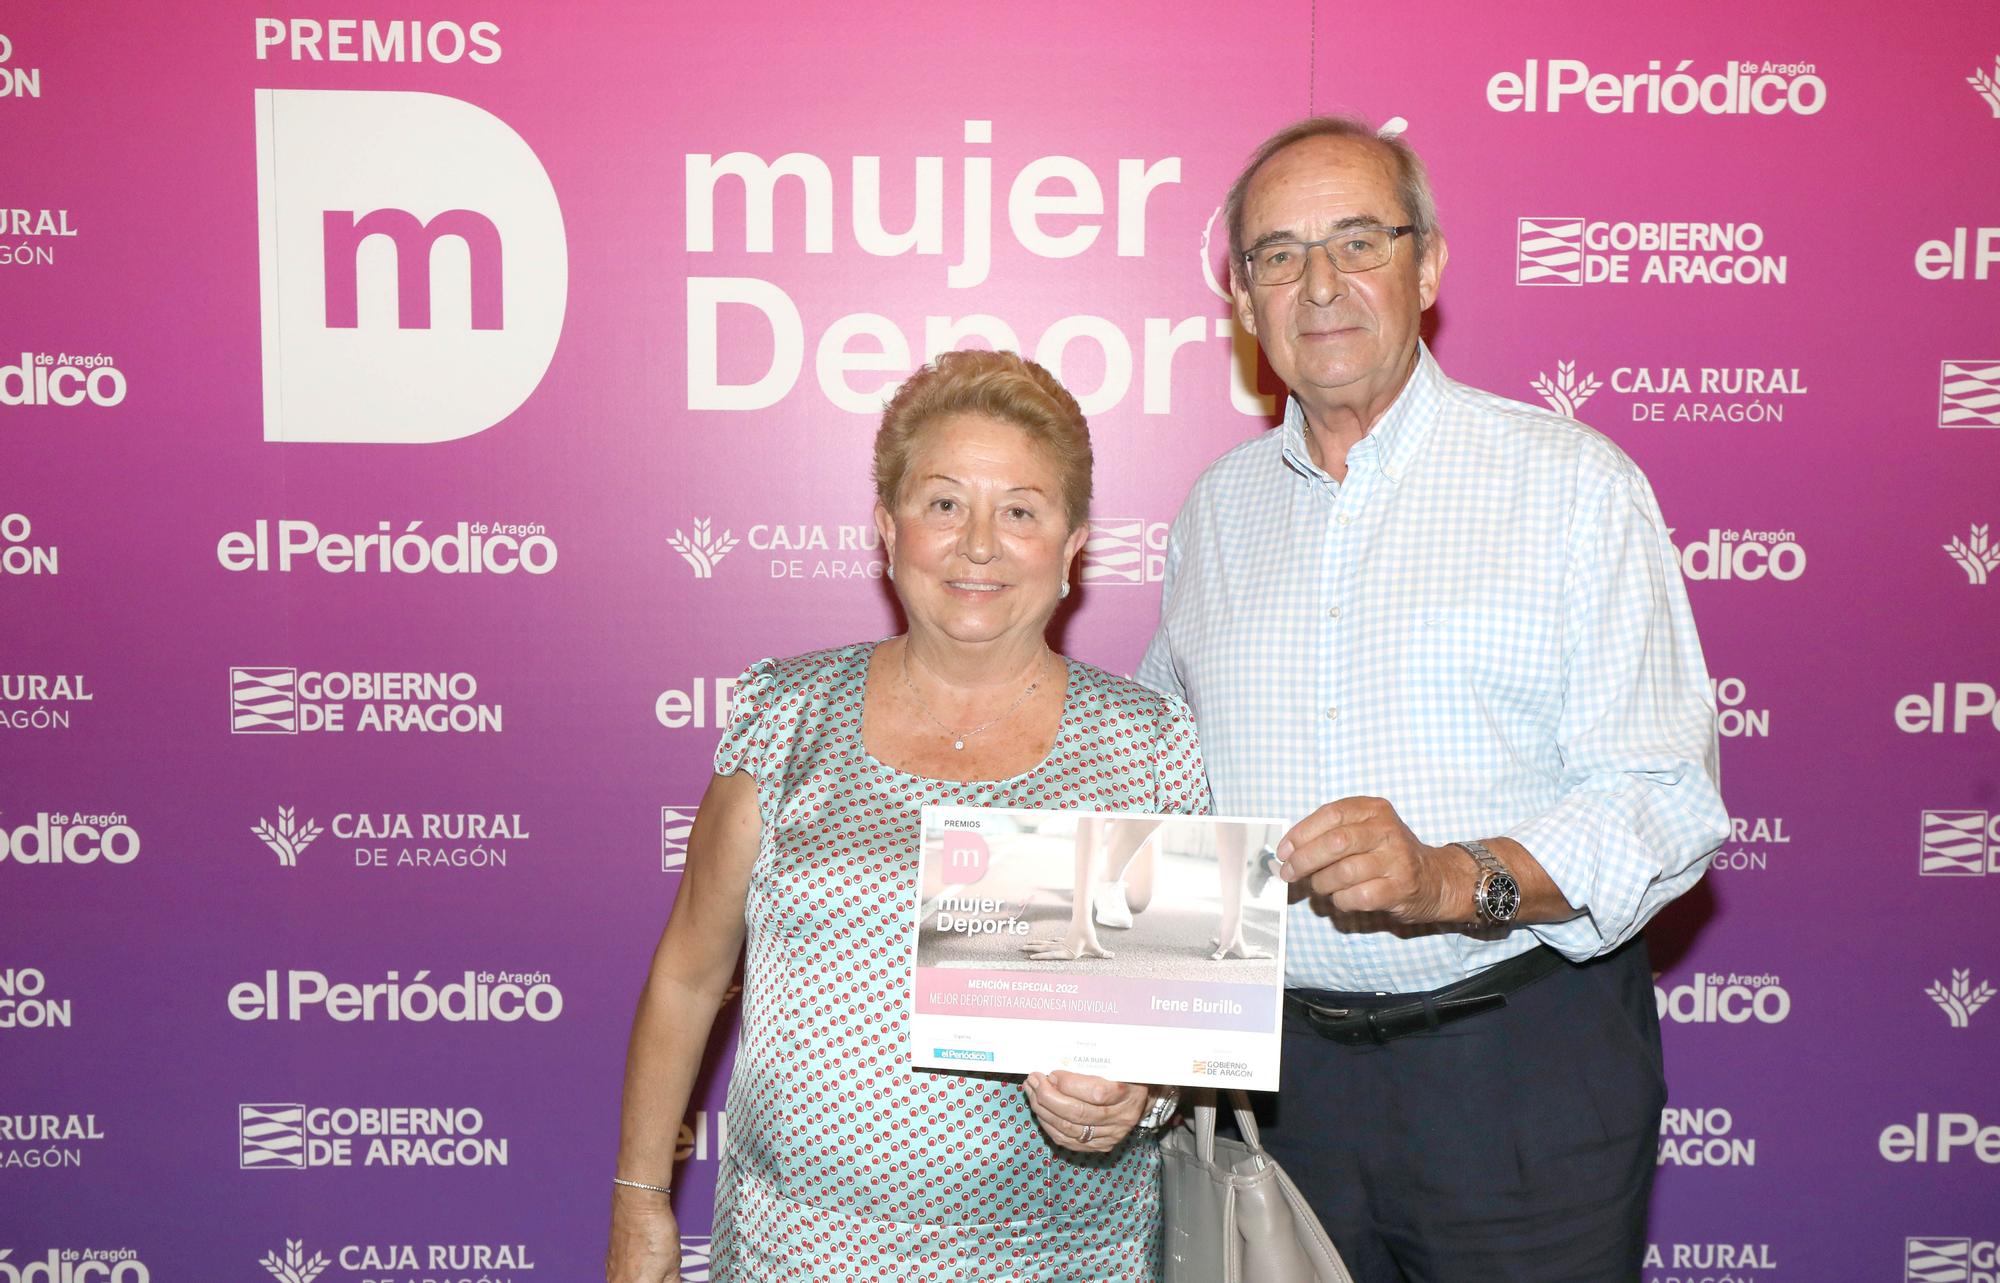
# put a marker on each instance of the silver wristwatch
(1496, 897)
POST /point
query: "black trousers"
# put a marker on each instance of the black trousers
(1516, 1145)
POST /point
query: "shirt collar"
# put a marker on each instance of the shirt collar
(1395, 440)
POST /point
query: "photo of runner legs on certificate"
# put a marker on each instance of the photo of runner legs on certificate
(1143, 948)
(1165, 896)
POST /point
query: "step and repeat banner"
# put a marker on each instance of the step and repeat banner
(413, 418)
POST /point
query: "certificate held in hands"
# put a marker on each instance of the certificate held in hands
(1145, 948)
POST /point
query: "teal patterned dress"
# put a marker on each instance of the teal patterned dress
(842, 1162)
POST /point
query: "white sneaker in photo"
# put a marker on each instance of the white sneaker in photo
(1108, 906)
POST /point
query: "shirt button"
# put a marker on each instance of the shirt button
(1332, 714)
(1333, 612)
(1345, 519)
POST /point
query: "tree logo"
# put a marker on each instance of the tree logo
(293, 1267)
(1987, 85)
(1566, 393)
(705, 550)
(1977, 555)
(1963, 998)
(287, 837)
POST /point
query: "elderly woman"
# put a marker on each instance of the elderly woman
(842, 1162)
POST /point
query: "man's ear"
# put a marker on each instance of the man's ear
(1430, 273)
(1246, 311)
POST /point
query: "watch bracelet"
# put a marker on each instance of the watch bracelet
(1490, 867)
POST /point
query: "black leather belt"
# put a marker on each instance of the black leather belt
(1357, 1020)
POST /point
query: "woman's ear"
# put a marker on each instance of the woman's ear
(885, 528)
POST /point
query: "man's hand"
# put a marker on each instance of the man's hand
(1359, 854)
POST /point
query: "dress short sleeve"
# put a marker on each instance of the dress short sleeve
(746, 741)
(1180, 781)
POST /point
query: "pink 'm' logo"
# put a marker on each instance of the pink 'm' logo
(966, 856)
(414, 241)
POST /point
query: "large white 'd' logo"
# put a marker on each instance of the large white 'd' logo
(413, 265)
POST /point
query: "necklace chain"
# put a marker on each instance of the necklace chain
(958, 738)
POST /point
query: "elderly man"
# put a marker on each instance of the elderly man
(1449, 631)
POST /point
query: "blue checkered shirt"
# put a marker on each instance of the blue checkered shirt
(1484, 623)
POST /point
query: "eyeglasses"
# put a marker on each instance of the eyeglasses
(1352, 249)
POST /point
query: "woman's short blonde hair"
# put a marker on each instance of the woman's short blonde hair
(999, 385)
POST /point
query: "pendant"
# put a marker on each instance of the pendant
(958, 743)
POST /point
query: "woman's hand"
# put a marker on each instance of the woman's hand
(1085, 1113)
(645, 1238)
(689, 981)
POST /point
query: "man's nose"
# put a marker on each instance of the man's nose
(1323, 281)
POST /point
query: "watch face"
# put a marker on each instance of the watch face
(1500, 897)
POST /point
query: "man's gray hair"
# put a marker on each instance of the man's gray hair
(1413, 182)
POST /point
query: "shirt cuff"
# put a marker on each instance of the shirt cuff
(1571, 841)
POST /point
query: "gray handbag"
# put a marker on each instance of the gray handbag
(1231, 1215)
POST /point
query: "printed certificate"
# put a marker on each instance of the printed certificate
(1145, 948)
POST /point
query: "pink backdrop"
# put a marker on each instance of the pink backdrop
(651, 408)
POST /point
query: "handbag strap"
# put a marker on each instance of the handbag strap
(1204, 1133)
(1246, 1122)
(1246, 1125)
